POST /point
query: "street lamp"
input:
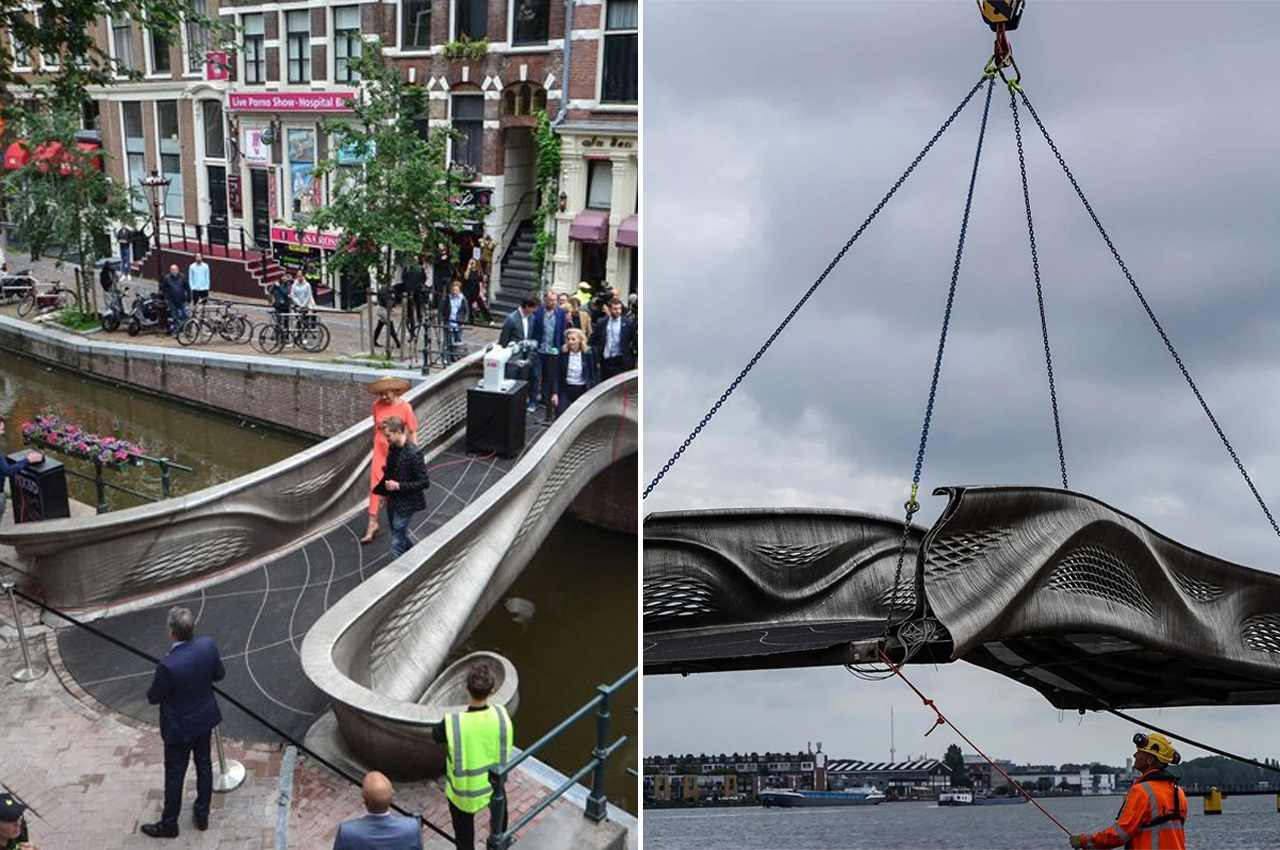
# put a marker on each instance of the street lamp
(157, 187)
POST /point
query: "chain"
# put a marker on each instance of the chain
(912, 505)
(1035, 265)
(1152, 316)
(796, 309)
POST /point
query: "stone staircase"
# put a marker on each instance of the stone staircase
(519, 277)
(265, 270)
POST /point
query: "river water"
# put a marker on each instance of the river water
(1245, 822)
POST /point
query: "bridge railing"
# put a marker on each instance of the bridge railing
(378, 652)
(502, 837)
(94, 562)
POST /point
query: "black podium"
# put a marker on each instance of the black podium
(496, 420)
(39, 491)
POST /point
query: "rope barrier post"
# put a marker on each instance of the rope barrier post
(230, 773)
(28, 672)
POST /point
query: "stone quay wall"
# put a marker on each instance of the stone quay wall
(317, 399)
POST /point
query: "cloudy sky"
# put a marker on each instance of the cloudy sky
(773, 129)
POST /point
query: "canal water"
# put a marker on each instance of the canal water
(1245, 822)
(218, 448)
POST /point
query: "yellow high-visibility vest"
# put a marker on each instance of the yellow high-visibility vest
(477, 742)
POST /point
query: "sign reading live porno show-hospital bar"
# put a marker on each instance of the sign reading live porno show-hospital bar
(314, 101)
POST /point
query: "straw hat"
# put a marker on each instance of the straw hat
(395, 385)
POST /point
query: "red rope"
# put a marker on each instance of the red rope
(941, 720)
(461, 460)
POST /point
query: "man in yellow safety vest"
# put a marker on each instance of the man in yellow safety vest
(477, 741)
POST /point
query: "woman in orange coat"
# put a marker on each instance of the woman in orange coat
(387, 403)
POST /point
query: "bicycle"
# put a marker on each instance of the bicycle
(14, 286)
(224, 321)
(48, 296)
(309, 333)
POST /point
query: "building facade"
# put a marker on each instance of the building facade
(236, 125)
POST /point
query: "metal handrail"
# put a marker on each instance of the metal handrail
(515, 222)
(502, 837)
(101, 484)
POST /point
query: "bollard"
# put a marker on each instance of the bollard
(1213, 802)
(597, 803)
(29, 672)
(230, 773)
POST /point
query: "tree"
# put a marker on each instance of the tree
(954, 759)
(65, 200)
(400, 197)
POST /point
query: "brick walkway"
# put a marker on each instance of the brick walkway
(94, 776)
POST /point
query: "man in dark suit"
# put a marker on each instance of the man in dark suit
(379, 829)
(614, 342)
(519, 323)
(183, 688)
(548, 330)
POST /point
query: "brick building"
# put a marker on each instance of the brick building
(236, 127)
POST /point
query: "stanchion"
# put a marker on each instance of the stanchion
(230, 773)
(29, 672)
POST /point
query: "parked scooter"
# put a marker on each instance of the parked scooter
(148, 311)
(113, 312)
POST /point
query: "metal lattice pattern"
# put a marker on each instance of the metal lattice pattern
(1101, 573)
(793, 555)
(410, 611)
(669, 600)
(446, 413)
(194, 558)
(311, 486)
(1262, 632)
(902, 597)
(570, 463)
(1201, 591)
(960, 551)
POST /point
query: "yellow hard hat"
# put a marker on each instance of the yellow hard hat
(1157, 745)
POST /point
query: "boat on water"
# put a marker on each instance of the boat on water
(787, 798)
(967, 798)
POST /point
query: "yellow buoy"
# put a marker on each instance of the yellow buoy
(1213, 802)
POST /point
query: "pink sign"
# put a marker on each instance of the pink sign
(216, 67)
(310, 238)
(316, 101)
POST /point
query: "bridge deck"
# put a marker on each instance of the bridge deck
(259, 618)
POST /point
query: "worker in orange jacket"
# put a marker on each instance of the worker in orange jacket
(1155, 808)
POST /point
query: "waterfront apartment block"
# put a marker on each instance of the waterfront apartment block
(233, 120)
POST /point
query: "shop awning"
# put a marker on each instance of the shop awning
(590, 226)
(16, 156)
(629, 232)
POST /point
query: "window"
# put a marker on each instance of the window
(170, 155)
(122, 43)
(529, 20)
(135, 147)
(215, 140)
(599, 184)
(255, 51)
(346, 43)
(160, 61)
(298, 29)
(470, 20)
(50, 61)
(21, 54)
(197, 37)
(523, 99)
(415, 23)
(91, 115)
(620, 78)
(468, 120)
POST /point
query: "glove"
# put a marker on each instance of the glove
(1077, 841)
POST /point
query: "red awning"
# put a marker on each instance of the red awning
(590, 226)
(88, 152)
(49, 154)
(629, 232)
(16, 156)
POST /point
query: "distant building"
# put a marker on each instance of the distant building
(903, 780)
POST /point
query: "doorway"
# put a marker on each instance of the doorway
(261, 207)
(219, 232)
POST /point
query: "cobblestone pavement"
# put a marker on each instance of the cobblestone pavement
(92, 776)
(350, 337)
